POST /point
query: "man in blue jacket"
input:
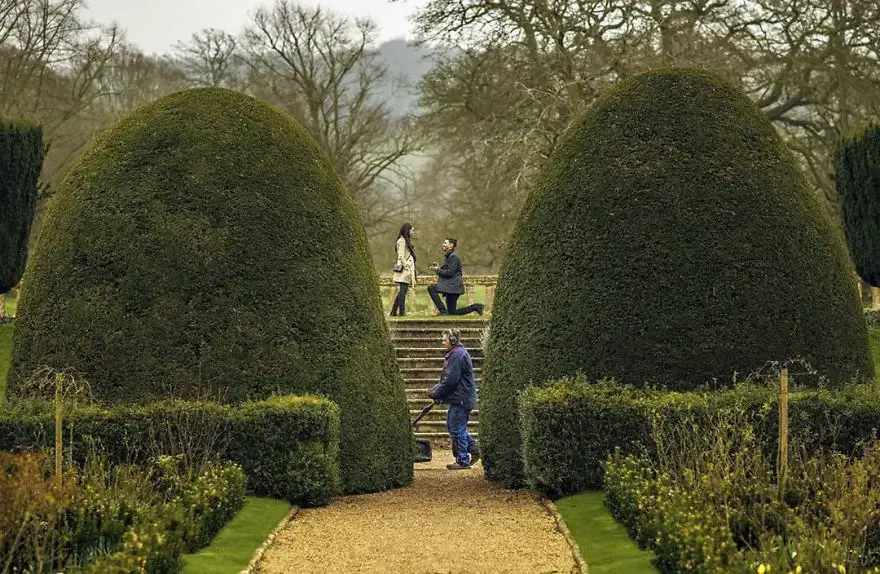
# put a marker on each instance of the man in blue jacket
(458, 389)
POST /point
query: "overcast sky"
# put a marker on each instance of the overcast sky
(156, 25)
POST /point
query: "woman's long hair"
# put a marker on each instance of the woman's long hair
(406, 232)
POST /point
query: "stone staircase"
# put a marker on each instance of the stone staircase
(419, 347)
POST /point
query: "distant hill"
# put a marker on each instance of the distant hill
(407, 63)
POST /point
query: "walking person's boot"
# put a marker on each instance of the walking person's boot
(456, 465)
(474, 451)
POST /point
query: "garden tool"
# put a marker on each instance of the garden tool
(422, 450)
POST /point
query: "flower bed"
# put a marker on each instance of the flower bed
(714, 503)
(104, 518)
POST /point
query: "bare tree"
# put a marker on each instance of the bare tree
(321, 69)
(211, 58)
(810, 65)
(133, 79)
(50, 65)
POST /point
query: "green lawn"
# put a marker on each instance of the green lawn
(419, 305)
(875, 348)
(235, 544)
(12, 302)
(604, 543)
(5, 352)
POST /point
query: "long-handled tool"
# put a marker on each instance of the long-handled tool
(422, 451)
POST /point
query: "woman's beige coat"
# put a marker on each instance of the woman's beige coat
(408, 275)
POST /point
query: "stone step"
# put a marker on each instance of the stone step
(440, 416)
(419, 349)
(437, 334)
(428, 373)
(430, 362)
(420, 382)
(439, 426)
(474, 347)
(440, 438)
(419, 397)
(431, 352)
(440, 324)
(419, 389)
(417, 404)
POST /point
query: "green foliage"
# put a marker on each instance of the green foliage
(570, 427)
(208, 499)
(872, 318)
(670, 241)
(21, 159)
(857, 177)
(714, 503)
(103, 518)
(203, 246)
(873, 334)
(288, 446)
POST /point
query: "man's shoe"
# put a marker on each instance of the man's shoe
(479, 308)
(456, 466)
(475, 456)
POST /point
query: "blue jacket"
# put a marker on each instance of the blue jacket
(457, 384)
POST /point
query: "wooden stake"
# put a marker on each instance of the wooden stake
(782, 455)
(59, 438)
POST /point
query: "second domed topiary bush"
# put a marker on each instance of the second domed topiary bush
(204, 247)
(671, 241)
(857, 175)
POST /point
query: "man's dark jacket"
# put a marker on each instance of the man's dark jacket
(457, 384)
(449, 274)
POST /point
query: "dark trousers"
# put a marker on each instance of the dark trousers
(451, 302)
(399, 306)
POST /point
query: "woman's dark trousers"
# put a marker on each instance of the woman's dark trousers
(399, 306)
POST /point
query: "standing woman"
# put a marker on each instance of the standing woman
(406, 262)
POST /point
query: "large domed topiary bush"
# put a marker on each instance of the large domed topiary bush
(857, 171)
(204, 247)
(21, 159)
(672, 241)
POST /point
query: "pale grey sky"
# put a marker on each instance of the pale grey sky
(156, 25)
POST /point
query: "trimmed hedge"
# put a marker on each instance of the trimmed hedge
(203, 246)
(857, 178)
(569, 428)
(21, 159)
(288, 446)
(671, 240)
(872, 318)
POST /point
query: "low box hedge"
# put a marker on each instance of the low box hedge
(570, 427)
(288, 446)
(872, 318)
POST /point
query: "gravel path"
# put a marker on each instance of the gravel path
(448, 521)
